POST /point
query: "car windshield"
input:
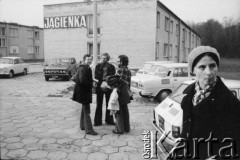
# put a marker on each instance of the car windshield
(6, 61)
(147, 66)
(178, 95)
(159, 71)
(59, 62)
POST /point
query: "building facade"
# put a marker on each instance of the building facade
(144, 30)
(21, 41)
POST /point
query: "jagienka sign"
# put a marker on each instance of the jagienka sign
(65, 22)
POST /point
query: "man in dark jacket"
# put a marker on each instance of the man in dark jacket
(83, 93)
(103, 70)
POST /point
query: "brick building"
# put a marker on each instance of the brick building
(22, 41)
(144, 30)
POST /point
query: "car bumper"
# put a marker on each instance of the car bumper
(56, 75)
(141, 92)
(4, 73)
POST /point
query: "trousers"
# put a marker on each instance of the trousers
(85, 119)
(98, 113)
(122, 119)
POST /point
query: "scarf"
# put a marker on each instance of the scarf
(201, 93)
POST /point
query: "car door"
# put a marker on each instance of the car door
(16, 66)
(21, 65)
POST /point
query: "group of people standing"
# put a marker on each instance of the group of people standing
(85, 81)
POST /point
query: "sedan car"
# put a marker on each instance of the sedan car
(60, 68)
(161, 80)
(148, 65)
(9, 66)
(168, 115)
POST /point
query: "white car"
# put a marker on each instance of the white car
(161, 80)
(168, 115)
(148, 65)
(9, 66)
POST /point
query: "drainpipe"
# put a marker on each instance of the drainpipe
(179, 39)
(34, 52)
(7, 40)
(95, 44)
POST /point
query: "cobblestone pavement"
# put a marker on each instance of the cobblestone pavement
(38, 120)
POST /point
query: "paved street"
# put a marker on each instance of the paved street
(39, 120)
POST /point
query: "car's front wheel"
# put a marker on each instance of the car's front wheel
(162, 95)
(46, 78)
(11, 74)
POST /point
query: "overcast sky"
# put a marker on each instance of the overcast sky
(30, 12)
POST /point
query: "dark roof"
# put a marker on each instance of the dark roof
(160, 4)
(20, 25)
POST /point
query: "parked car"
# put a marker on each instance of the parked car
(133, 70)
(148, 65)
(168, 115)
(9, 66)
(63, 68)
(161, 80)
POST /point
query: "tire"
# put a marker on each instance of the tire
(68, 77)
(11, 74)
(162, 95)
(46, 78)
(24, 71)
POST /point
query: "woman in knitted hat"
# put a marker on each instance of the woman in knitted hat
(210, 111)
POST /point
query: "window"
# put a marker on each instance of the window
(186, 36)
(157, 51)
(171, 27)
(30, 34)
(189, 38)
(166, 24)
(2, 42)
(16, 61)
(2, 31)
(180, 72)
(176, 51)
(36, 49)
(183, 37)
(14, 49)
(192, 38)
(90, 24)
(90, 49)
(30, 49)
(158, 19)
(36, 34)
(170, 50)
(165, 50)
(13, 32)
(177, 29)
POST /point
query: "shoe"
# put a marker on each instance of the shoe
(92, 133)
(82, 129)
(115, 132)
(96, 124)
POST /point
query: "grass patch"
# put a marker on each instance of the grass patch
(230, 68)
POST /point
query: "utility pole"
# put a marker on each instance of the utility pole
(95, 41)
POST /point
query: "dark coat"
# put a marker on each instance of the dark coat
(83, 89)
(218, 114)
(99, 73)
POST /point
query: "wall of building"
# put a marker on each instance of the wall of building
(17, 45)
(127, 27)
